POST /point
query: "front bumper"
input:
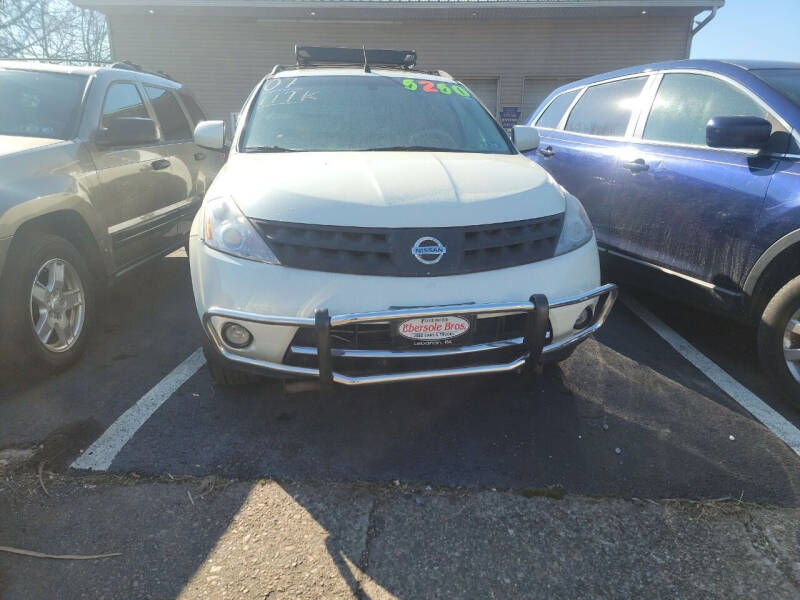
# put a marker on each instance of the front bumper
(533, 347)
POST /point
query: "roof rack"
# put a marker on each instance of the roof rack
(131, 66)
(325, 55)
(330, 56)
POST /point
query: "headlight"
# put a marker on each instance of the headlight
(226, 229)
(577, 229)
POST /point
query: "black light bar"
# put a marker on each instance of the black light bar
(324, 55)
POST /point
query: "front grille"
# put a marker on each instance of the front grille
(378, 336)
(387, 251)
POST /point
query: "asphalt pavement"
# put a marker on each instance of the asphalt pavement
(626, 417)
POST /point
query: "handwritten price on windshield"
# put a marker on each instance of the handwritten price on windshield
(431, 87)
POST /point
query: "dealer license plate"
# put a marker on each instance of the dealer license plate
(449, 330)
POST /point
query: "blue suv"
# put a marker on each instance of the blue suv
(690, 173)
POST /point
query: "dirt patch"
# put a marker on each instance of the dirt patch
(55, 452)
(13, 459)
(60, 447)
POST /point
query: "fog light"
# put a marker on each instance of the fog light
(584, 318)
(236, 336)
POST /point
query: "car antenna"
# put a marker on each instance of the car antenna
(366, 65)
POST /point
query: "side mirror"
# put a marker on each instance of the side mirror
(525, 138)
(128, 131)
(211, 135)
(738, 132)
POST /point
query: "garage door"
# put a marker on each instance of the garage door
(485, 89)
(536, 90)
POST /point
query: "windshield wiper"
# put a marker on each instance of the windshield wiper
(414, 148)
(267, 149)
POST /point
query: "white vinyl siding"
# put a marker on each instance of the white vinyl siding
(220, 57)
(485, 90)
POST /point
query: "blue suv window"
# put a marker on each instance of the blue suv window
(605, 109)
(551, 117)
(686, 101)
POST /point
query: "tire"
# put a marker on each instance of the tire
(774, 336)
(63, 302)
(221, 373)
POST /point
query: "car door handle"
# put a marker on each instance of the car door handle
(547, 152)
(199, 155)
(636, 165)
(160, 164)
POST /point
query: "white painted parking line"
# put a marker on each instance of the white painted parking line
(752, 403)
(99, 456)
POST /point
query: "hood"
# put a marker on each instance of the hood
(9, 144)
(389, 189)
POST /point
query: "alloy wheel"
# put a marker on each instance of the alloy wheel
(57, 305)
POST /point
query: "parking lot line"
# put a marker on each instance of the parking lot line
(99, 456)
(752, 403)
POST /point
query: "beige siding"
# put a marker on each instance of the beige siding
(221, 59)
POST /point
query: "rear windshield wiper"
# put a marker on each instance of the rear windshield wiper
(414, 148)
(267, 149)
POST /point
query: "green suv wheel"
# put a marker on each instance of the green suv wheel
(47, 305)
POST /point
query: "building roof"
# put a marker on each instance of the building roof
(382, 9)
(542, 3)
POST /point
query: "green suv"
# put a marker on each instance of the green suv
(98, 175)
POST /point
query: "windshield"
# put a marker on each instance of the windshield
(39, 104)
(374, 112)
(785, 81)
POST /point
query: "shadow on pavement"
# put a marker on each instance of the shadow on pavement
(310, 540)
(599, 425)
(162, 536)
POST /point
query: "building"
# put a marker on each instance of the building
(510, 53)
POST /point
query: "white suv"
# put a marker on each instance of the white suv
(374, 223)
